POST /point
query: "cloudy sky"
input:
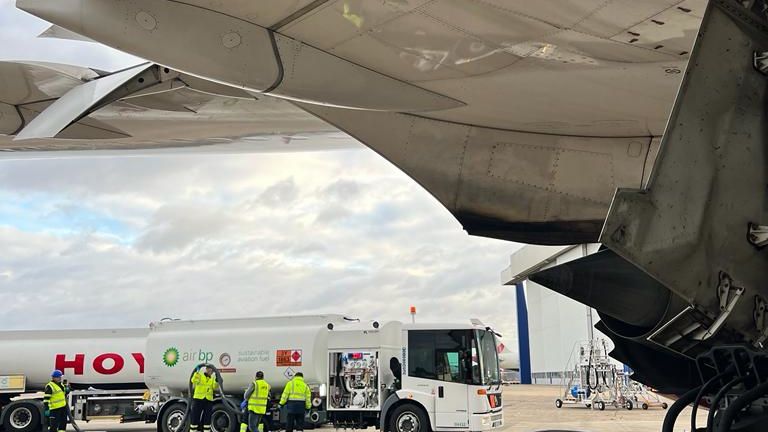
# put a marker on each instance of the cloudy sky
(102, 242)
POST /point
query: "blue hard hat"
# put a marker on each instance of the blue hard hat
(57, 374)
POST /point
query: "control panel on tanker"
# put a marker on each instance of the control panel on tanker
(354, 379)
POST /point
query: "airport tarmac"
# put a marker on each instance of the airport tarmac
(531, 409)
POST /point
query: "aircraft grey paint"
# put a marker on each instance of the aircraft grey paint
(522, 118)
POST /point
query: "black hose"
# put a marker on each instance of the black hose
(677, 408)
(69, 416)
(714, 406)
(739, 404)
(703, 390)
(589, 372)
(228, 404)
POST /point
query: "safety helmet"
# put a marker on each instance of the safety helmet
(57, 374)
(259, 374)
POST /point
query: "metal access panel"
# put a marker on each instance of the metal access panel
(13, 383)
(353, 380)
(692, 227)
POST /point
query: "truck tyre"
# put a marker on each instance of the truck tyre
(22, 417)
(558, 403)
(409, 417)
(173, 417)
(222, 420)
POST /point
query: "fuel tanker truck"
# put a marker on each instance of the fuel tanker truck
(411, 377)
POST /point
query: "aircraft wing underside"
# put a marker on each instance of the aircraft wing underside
(521, 118)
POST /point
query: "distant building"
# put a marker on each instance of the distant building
(555, 323)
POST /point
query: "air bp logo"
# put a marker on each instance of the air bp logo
(171, 357)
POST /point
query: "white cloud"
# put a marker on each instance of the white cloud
(111, 242)
(231, 236)
(18, 33)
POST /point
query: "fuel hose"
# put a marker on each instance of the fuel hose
(230, 406)
(69, 416)
(71, 419)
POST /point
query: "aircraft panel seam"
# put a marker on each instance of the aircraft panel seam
(645, 162)
(551, 186)
(462, 161)
(532, 132)
(299, 14)
(546, 189)
(278, 60)
(518, 13)
(384, 22)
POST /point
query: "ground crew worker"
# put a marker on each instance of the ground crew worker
(202, 399)
(55, 402)
(256, 398)
(297, 399)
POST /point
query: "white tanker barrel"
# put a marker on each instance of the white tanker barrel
(99, 358)
(278, 346)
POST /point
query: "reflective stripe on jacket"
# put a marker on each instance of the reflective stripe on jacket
(58, 398)
(204, 386)
(297, 390)
(257, 403)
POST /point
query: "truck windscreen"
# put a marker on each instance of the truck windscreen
(489, 357)
(444, 355)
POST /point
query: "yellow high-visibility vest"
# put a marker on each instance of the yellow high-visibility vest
(297, 390)
(204, 386)
(257, 403)
(58, 398)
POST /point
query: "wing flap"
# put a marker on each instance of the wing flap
(79, 102)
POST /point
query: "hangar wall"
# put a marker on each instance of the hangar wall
(555, 323)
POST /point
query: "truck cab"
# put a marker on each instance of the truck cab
(415, 377)
(453, 372)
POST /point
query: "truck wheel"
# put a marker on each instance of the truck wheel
(172, 419)
(22, 417)
(408, 418)
(600, 405)
(222, 420)
(630, 405)
(558, 403)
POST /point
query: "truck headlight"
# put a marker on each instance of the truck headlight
(485, 421)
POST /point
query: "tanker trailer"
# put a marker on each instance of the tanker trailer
(393, 376)
(110, 360)
(278, 346)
